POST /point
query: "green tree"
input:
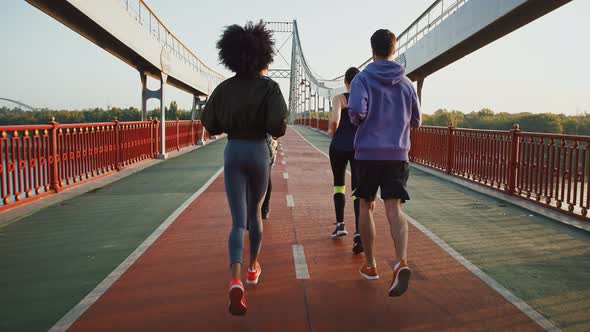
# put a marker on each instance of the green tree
(442, 117)
(542, 123)
(172, 111)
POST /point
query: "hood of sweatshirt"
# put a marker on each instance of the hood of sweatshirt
(385, 72)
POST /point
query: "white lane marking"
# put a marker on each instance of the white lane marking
(517, 302)
(284, 162)
(290, 201)
(282, 154)
(285, 175)
(74, 314)
(313, 146)
(301, 270)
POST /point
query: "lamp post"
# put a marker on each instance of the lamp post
(317, 108)
(306, 102)
(312, 107)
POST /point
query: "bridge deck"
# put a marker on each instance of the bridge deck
(52, 258)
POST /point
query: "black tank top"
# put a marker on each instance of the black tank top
(343, 139)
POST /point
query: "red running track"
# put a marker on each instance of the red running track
(181, 281)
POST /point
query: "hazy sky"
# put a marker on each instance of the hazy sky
(542, 67)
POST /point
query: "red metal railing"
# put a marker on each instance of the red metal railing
(549, 169)
(137, 141)
(555, 170)
(38, 160)
(321, 124)
(186, 134)
(180, 134)
(172, 135)
(28, 157)
(97, 140)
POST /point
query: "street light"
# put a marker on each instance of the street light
(307, 99)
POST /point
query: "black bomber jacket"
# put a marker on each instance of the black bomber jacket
(246, 108)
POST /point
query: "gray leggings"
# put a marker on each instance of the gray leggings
(246, 170)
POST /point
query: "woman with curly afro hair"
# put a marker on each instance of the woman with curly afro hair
(247, 107)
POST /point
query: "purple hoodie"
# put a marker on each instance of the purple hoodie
(384, 105)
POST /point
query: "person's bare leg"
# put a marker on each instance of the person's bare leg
(367, 229)
(255, 234)
(252, 263)
(255, 238)
(398, 227)
(236, 271)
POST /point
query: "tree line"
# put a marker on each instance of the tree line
(486, 118)
(18, 116)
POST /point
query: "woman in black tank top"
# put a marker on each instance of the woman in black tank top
(343, 132)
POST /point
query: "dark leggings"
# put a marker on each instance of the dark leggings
(266, 203)
(246, 171)
(339, 160)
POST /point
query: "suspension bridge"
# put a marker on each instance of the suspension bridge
(19, 103)
(122, 225)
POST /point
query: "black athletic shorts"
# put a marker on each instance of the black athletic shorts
(389, 175)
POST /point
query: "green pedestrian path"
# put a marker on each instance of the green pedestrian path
(51, 259)
(543, 262)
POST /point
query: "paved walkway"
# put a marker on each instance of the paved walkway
(180, 282)
(52, 258)
(545, 263)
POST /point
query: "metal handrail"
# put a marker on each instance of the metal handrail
(413, 33)
(278, 26)
(159, 31)
(431, 22)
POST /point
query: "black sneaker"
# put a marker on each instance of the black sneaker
(265, 213)
(339, 231)
(357, 246)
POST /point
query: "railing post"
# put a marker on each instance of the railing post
(318, 119)
(55, 185)
(177, 134)
(152, 141)
(118, 148)
(193, 140)
(450, 150)
(513, 161)
(157, 137)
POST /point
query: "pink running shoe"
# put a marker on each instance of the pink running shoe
(253, 276)
(237, 301)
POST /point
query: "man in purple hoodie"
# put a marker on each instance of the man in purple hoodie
(384, 106)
